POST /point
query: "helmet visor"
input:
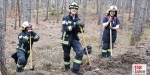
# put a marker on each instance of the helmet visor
(73, 7)
(113, 10)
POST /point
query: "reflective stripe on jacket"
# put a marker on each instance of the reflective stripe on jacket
(24, 43)
(69, 29)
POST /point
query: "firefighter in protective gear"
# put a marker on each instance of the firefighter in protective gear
(113, 19)
(23, 47)
(70, 30)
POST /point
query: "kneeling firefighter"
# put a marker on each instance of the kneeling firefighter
(23, 47)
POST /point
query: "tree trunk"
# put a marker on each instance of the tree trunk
(109, 3)
(57, 11)
(122, 13)
(7, 10)
(84, 10)
(97, 2)
(65, 11)
(15, 16)
(130, 8)
(126, 4)
(43, 4)
(62, 7)
(46, 18)
(33, 3)
(37, 8)
(3, 69)
(135, 9)
(26, 10)
(114, 2)
(13, 2)
(19, 14)
(79, 1)
(100, 21)
(139, 21)
(148, 11)
(119, 5)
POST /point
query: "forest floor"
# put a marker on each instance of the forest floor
(48, 53)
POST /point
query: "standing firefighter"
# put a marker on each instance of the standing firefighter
(70, 29)
(113, 19)
(23, 48)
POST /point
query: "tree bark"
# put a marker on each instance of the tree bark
(65, 11)
(15, 16)
(26, 10)
(138, 21)
(109, 3)
(118, 5)
(57, 11)
(84, 10)
(148, 10)
(135, 9)
(114, 2)
(62, 7)
(100, 21)
(37, 8)
(46, 18)
(97, 2)
(19, 14)
(3, 69)
(122, 13)
(13, 2)
(130, 8)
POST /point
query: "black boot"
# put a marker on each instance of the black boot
(108, 54)
(104, 54)
(67, 67)
(19, 69)
(76, 71)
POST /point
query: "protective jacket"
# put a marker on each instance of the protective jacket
(24, 43)
(24, 40)
(69, 29)
(106, 33)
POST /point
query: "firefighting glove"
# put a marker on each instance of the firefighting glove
(80, 23)
(110, 27)
(32, 32)
(89, 49)
(75, 27)
(29, 33)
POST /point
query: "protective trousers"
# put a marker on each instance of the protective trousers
(106, 42)
(106, 49)
(22, 59)
(77, 47)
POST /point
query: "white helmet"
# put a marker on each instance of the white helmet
(25, 25)
(73, 5)
(113, 8)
